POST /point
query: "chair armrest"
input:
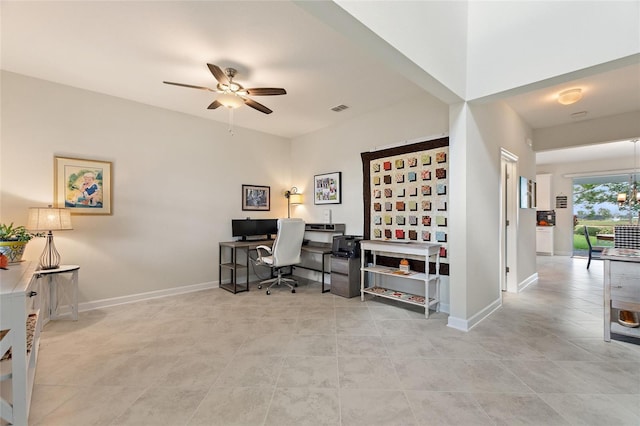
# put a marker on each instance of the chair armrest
(267, 249)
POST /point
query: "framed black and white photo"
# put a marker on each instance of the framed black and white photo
(255, 197)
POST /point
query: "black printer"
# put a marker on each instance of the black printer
(346, 246)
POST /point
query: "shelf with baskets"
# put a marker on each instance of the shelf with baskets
(427, 294)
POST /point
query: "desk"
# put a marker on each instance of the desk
(605, 237)
(230, 262)
(323, 249)
(62, 289)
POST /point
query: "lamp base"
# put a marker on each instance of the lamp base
(50, 258)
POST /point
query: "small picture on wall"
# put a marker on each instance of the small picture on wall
(83, 186)
(255, 197)
(327, 188)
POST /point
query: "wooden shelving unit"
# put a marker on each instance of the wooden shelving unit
(427, 293)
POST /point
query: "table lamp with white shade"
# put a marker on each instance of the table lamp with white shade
(49, 219)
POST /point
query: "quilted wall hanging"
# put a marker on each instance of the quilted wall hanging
(406, 195)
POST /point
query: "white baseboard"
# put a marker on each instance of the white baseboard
(526, 283)
(466, 325)
(444, 307)
(103, 303)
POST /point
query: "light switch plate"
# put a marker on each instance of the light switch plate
(327, 215)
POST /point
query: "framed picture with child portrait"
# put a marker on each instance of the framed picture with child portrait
(83, 186)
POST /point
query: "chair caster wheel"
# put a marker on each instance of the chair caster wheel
(295, 284)
(293, 290)
(260, 286)
(268, 292)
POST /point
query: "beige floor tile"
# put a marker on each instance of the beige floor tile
(375, 408)
(312, 345)
(304, 407)
(539, 359)
(167, 405)
(309, 371)
(233, 406)
(363, 346)
(251, 370)
(591, 409)
(367, 373)
(518, 409)
(93, 405)
(447, 408)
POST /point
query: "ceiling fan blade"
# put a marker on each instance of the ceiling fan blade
(190, 86)
(218, 74)
(266, 91)
(214, 105)
(255, 105)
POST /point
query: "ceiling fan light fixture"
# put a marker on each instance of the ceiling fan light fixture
(570, 96)
(230, 100)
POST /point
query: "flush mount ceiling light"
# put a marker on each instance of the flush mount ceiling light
(570, 96)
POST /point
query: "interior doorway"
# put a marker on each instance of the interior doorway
(508, 221)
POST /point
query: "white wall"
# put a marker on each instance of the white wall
(513, 44)
(338, 149)
(433, 35)
(176, 183)
(562, 185)
(478, 132)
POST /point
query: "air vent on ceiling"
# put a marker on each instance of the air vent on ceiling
(339, 108)
(579, 115)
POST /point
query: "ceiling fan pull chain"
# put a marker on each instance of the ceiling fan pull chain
(230, 120)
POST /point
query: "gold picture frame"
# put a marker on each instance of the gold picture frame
(83, 186)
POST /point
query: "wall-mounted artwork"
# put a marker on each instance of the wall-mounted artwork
(527, 190)
(83, 186)
(327, 188)
(412, 182)
(255, 197)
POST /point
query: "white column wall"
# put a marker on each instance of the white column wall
(478, 133)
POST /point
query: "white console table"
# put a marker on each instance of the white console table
(63, 290)
(621, 289)
(424, 252)
(25, 306)
(20, 321)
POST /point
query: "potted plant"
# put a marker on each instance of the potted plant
(13, 240)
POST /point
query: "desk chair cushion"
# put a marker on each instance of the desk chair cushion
(285, 251)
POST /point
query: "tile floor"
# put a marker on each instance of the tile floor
(214, 358)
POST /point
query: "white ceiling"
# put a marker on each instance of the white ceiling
(126, 49)
(605, 151)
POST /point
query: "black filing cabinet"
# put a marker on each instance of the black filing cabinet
(345, 276)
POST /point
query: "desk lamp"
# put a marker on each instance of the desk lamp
(49, 219)
(293, 197)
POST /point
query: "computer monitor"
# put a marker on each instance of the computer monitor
(268, 227)
(247, 228)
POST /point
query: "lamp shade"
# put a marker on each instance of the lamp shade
(296, 198)
(49, 219)
(230, 100)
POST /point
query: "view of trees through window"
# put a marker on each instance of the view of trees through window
(595, 204)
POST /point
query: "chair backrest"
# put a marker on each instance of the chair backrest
(626, 236)
(586, 235)
(288, 243)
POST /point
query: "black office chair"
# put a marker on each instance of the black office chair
(594, 251)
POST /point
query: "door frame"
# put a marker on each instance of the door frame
(508, 212)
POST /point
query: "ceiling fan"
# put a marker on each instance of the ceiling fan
(232, 94)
